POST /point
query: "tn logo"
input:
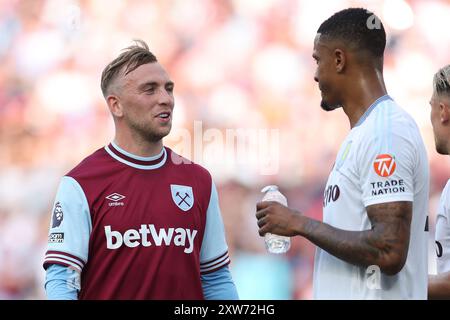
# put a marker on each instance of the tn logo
(384, 165)
(373, 280)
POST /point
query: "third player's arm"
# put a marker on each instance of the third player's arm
(385, 244)
(439, 286)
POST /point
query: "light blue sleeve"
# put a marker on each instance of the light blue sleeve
(214, 250)
(62, 283)
(219, 285)
(70, 227)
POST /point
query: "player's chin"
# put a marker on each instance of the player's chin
(440, 147)
(329, 106)
(164, 130)
(326, 106)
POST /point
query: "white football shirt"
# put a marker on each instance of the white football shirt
(442, 236)
(383, 159)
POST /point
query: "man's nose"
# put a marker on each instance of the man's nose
(165, 97)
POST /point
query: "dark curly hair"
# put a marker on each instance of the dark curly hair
(358, 28)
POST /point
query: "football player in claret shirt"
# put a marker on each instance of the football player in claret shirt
(439, 285)
(134, 220)
(372, 243)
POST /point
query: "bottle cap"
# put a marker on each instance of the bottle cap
(270, 188)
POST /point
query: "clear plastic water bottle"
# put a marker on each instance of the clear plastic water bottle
(275, 243)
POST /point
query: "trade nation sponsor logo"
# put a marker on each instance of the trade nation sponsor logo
(384, 166)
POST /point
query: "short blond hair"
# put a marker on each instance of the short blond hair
(131, 58)
(441, 81)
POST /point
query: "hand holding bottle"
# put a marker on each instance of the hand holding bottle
(275, 243)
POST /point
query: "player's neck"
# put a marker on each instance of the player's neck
(139, 147)
(363, 93)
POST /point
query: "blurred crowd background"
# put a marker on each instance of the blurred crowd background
(241, 67)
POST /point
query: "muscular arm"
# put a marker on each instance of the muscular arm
(439, 286)
(385, 244)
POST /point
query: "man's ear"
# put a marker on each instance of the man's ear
(444, 111)
(339, 60)
(114, 105)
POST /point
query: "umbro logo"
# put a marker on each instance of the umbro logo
(114, 199)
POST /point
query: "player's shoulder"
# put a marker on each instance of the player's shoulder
(444, 202)
(186, 165)
(393, 114)
(389, 118)
(446, 193)
(89, 165)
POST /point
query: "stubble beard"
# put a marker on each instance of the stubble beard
(147, 133)
(441, 148)
(328, 107)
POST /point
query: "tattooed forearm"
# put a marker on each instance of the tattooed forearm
(385, 244)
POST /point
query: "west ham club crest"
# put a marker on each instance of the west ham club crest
(182, 196)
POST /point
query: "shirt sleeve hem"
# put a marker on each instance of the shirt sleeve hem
(63, 258)
(215, 264)
(391, 198)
